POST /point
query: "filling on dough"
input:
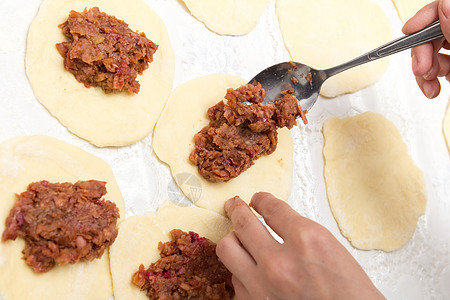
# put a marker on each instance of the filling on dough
(62, 223)
(103, 51)
(242, 130)
(188, 269)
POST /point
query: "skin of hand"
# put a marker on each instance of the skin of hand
(309, 264)
(427, 63)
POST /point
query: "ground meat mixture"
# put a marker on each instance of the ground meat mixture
(62, 223)
(242, 130)
(188, 269)
(103, 51)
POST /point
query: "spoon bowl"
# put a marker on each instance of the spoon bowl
(307, 81)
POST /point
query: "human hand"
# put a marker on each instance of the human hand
(310, 264)
(427, 63)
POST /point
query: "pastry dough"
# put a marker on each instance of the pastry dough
(27, 159)
(102, 119)
(326, 33)
(407, 8)
(375, 191)
(173, 141)
(137, 242)
(447, 126)
(232, 17)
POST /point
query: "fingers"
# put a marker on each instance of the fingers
(237, 260)
(239, 289)
(430, 88)
(426, 67)
(444, 17)
(427, 15)
(444, 64)
(277, 214)
(422, 59)
(253, 235)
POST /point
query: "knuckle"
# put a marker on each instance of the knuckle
(311, 235)
(273, 209)
(242, 222)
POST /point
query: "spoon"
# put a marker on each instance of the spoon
(308, 81)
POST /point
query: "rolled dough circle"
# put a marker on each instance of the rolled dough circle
(446, 126)
(326, 33)
(231, 17)
(376, 192)
(102, 119)
(173, 141)
(28, 159)
(407, 8)
(137, 242)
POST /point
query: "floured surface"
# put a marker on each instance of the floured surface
(28, 159)
(419, 270)
(407, 8)
(326, 33)
(233, 17)
(137, 242)
(102, 119)
(173, 141)
(375, 190)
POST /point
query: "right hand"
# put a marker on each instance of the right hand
(427, 63)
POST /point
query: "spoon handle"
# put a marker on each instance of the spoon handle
(427, 34)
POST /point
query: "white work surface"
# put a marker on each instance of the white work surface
(419, 270)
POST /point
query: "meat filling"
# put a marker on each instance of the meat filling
(188, 269)
(103, 51)
(242, 130)
(62, 223)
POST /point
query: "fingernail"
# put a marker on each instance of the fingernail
(228, 203)
(444, 6)
(428, 89)
(427, 76)
(414, 63)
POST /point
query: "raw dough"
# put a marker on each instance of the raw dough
(407, 8)
(27, 159)
(326, 33)
(375, 191)
(232, 17)
(447, 126)
(183, 116)
(102, 119)
(137, 242)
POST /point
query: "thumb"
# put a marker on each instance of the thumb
(444, 17)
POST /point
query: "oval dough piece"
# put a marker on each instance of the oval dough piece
(326, 33)
(446, 127)
(27, 159)
(232, 17)
(173, 141)
(102, 119)
(375, 190)
(407, 8)
(137, 242)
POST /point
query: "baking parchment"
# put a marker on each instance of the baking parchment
(419, 270)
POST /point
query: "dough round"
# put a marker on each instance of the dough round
(173, 141)
(447, 126)
(375, 190)
(407, 8)
(232, 17)
(326, 33)
(27, 159)
(102, 119)
(137, 242)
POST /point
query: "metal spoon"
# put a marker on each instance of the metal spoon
(279, 77)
